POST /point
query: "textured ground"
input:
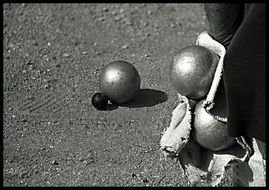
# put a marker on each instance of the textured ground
(53, 55)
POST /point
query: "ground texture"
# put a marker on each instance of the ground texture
(53, 55)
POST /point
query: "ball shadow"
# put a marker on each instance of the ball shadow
(111, 107)
(146, 98)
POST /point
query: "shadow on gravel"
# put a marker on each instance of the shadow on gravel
(111, 107)
(147, 98)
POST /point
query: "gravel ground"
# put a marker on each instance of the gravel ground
(53, 55)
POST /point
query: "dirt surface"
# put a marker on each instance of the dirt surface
(53, 55)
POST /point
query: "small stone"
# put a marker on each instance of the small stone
(147, 55)
(101, 19)
(31, 62)
(124, 47)
(84, 53)
(117, 18)
(46, 86)
(172, 25)
(105, 9)
(31, 67)
(48, 44)
(85, 162)
(145, 24)
(24, 71)
(13, 115)
(145, 180)
(66, 55)
(24, 120)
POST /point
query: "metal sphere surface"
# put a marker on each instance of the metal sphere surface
(192, 71)
(119, 81)
(99, 101)
(209, 132)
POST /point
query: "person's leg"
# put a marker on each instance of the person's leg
(244, 76)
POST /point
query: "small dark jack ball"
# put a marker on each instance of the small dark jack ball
(99, 101)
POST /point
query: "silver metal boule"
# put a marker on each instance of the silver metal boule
(209, 132)
(119, 81)
(192, 70)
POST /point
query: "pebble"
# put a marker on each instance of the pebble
(105, 9)
(145, 180)
(172, 25)
(31, 62)
(24, 120)
(31, 67)
(117, 18)
(84, 53)
(145, 24)
(85, 162)
(101, 19)
(46, 86)
(66, 55)
(124, 47)
(55, 162)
